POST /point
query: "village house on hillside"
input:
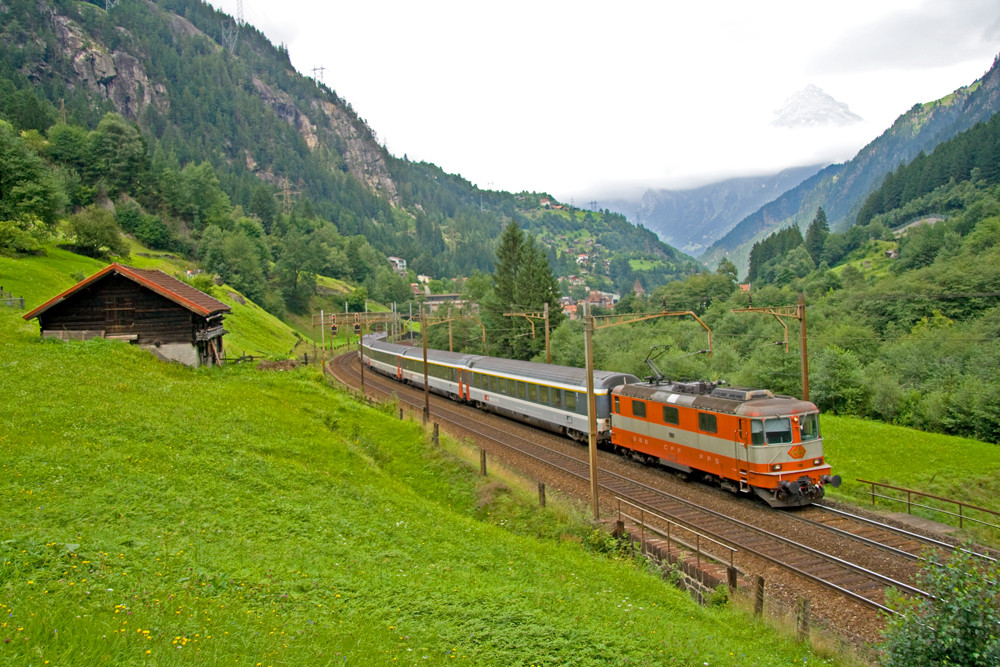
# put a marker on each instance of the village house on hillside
(148, 308)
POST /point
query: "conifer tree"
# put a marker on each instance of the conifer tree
(816, 235)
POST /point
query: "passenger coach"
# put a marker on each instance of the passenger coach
(544, 395)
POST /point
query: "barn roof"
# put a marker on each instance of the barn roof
(165, 285)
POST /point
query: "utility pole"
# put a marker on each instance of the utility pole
(588, 343)
(548, 348)
(322, 336)
(801, 310)
(797, 312)
(427, 384)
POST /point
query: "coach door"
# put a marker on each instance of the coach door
(742, 455)
(399, 367)
(463, 384)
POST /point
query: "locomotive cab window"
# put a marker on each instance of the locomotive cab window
(809, 426)
(778, 431)
(639, 408)
(756, 432)
(618, 405)
(707, 423)
(671, 415)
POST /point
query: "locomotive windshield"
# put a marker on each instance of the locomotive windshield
(809, 426)
(774, 431)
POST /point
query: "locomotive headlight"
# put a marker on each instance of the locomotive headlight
(817, 462)
(775, 467)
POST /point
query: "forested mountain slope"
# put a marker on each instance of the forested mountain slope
(280, 145)
(841, 189)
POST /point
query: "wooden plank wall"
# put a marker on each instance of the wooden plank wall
(119, 306)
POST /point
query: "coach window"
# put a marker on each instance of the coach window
(639, 408)
(533, 393)
(571, 400)
(756, 432)
(706, 422)
(543, 395)
(778, 431)
(557, 398)
(522, 391)
(671, 415)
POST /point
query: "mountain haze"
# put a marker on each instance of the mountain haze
(691, 220)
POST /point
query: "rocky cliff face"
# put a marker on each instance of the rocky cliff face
(113, 75)
(119, 76)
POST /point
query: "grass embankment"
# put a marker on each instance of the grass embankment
(155, 514)
(943, 465)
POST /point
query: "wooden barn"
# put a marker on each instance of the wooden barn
(148, 308)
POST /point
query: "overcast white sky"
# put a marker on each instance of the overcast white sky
(580, 98)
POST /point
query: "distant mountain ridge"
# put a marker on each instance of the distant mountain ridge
(691, 220)
(841, 189)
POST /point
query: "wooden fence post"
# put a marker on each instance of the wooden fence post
(758, 603)
(437, 439)
(482, 461)
(541, 494)
(802, 621)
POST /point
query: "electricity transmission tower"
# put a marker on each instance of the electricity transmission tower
(231, 31)
(110, 4)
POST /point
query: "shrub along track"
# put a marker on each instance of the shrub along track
(842, 575)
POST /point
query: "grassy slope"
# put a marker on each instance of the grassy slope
(943, 465)
(155, 514)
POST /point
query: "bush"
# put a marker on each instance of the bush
(97, 234)
(959, 625)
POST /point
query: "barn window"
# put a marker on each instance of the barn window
(639, 408)
(671, 415)
(706, 422)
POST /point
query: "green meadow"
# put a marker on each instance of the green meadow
(942, 465)
(159, 515)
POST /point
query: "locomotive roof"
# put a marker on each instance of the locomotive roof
(741, 401)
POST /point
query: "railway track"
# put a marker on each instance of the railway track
(857, 574)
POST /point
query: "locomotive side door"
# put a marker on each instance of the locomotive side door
(742, 454)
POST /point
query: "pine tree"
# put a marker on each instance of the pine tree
(816, 235)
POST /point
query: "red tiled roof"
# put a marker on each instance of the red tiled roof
(166, 286)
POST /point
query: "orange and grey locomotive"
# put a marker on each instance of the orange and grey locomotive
(744, 439)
